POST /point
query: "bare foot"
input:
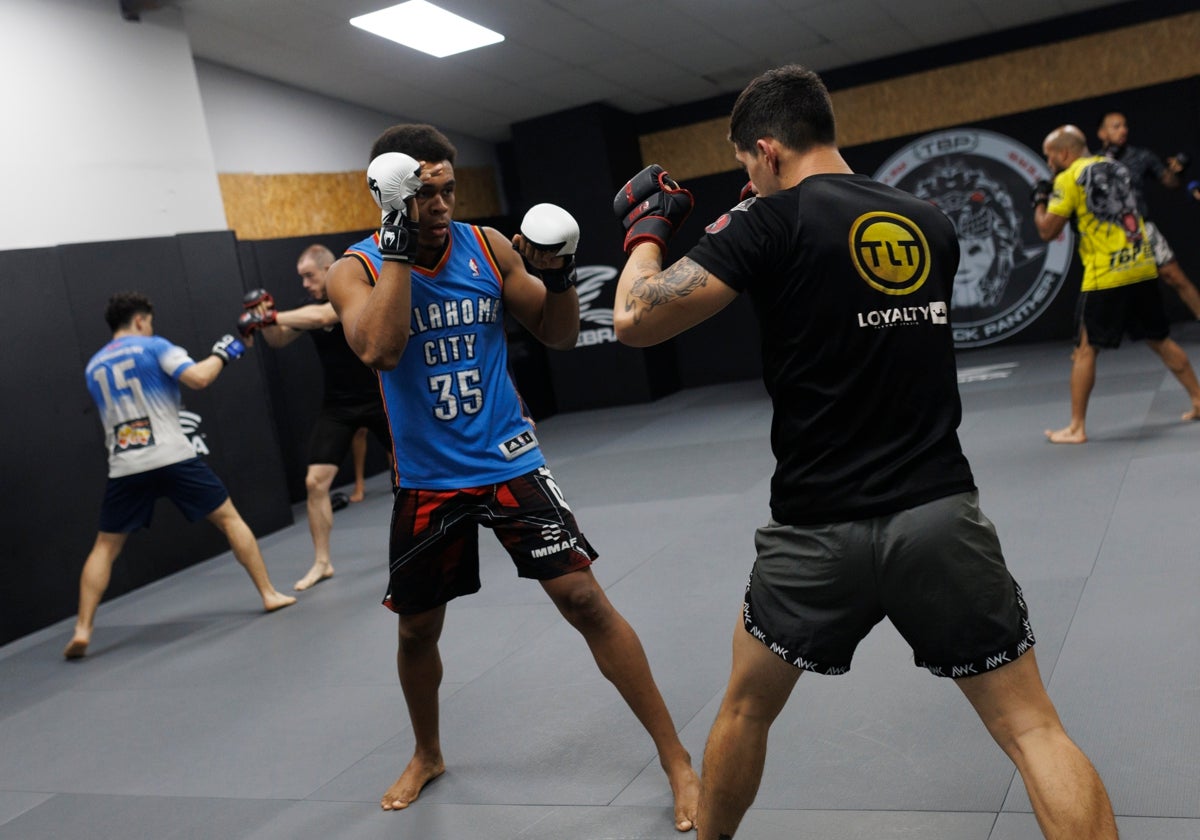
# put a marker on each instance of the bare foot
(685, 786)
(318, 573)
(1068, 435)
(359, 494)
(77, 647)
(274, 600)
(1194, 414)
(407, 788)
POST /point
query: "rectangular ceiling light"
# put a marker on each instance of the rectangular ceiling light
(425, 27)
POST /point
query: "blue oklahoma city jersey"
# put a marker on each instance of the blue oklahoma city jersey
(134, 382)
(457, 419)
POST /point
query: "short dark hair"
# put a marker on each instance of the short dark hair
(123, 306)
(790, 104)
(1105, 115)
(423, 142)
(319, 254)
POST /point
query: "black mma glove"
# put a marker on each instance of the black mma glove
(253, 298)
(651, 206)
(228, 348)
(248, 322)
(1041, 193)
(393, 178)
(548, 227)
(398, 238)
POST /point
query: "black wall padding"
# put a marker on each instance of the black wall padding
(578, 159)
(293, 373)
(55, 466)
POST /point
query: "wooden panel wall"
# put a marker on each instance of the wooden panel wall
(281, 206)
(1023, 80)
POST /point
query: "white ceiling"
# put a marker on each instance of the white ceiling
(638, 55)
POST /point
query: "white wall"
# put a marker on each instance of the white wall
(104, 133)
(260, 126)
(111, 130)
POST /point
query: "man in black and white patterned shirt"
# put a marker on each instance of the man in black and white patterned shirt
(1143, 165)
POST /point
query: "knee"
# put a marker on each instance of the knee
(1172, 355)
(416, 636)
(585, 606)
(316, 484)
(1024, 735)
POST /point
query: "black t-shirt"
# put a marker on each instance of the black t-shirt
(347, 380)
(851, 282)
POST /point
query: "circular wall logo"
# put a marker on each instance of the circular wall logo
(981, 180)
(890, 252)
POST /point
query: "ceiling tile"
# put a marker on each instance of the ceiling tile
(557, 54)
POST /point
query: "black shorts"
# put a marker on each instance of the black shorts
(434, 547)
(1109, 314)
(129, 500)
(936, 571)
(336, 425)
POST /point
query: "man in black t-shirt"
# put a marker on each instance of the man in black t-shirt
(351, 398)
(874, 511)
(1144, 166)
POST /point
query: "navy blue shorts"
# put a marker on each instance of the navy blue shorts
(434, 546)
(129, 500)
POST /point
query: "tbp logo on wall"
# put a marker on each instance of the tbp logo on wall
(981, 180)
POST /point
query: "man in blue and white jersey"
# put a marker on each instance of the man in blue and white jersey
(134, 381)
(423, 301)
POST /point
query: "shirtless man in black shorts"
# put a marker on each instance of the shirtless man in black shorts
(351, 400)
(874, 511)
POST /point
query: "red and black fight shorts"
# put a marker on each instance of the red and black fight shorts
(434, 547)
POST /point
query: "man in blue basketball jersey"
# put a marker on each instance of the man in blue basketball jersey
(134, 381)
(423, 301)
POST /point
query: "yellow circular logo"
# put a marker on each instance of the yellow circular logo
(890, 252)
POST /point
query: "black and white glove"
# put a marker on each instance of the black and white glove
(393, 178)
(228, 348)
(652, 206)
(548, 227)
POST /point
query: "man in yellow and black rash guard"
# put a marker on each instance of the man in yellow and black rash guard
(1117, 259)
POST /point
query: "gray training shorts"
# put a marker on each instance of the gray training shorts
(935, 570)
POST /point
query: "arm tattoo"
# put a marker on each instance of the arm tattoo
(655, 287)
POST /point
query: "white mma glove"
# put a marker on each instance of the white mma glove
(548, 227)
(394, 177)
